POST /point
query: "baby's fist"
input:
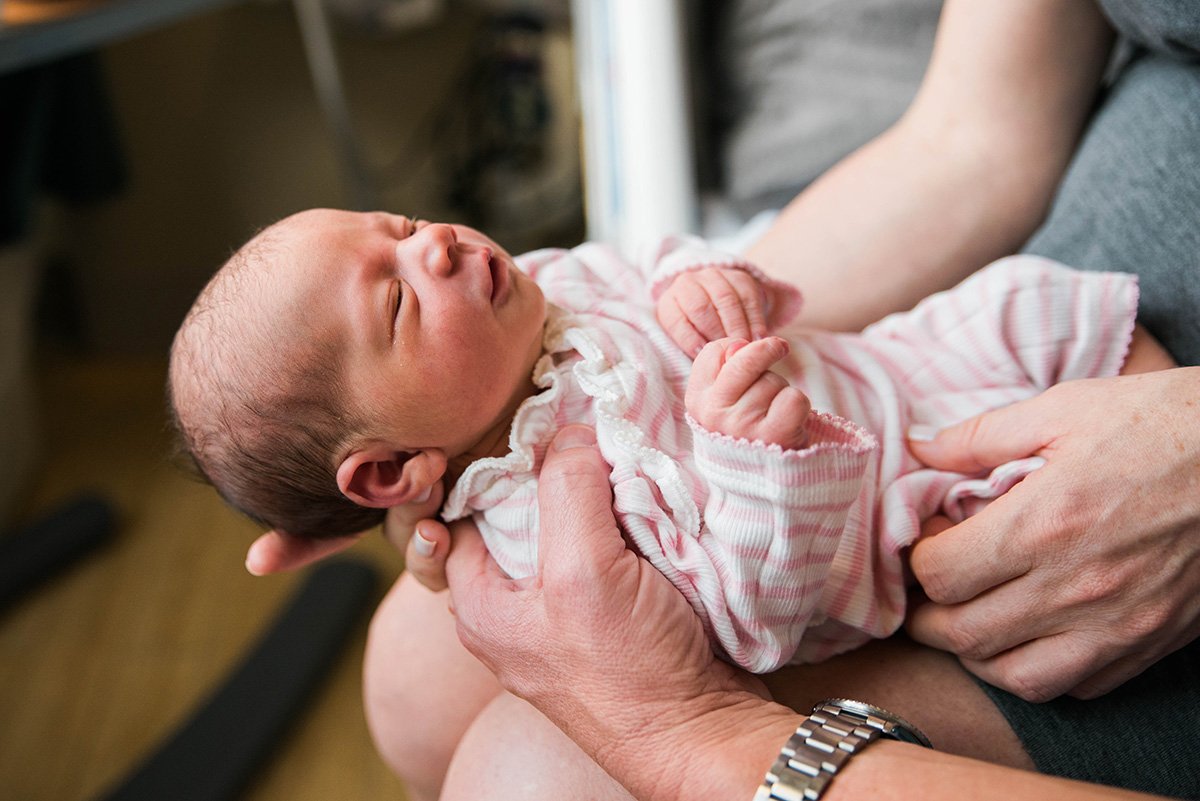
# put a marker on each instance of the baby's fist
(704, 305)
(732, 391)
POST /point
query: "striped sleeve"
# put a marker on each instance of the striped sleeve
(773, 520)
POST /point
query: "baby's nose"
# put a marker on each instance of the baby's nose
(432, 247)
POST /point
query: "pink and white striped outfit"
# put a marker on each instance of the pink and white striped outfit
(787, 555)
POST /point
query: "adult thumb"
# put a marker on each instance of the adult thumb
(575, 518)
(983, 442)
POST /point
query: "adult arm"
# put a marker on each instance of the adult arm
(606, 648)
(1079, 594)
(962, 179)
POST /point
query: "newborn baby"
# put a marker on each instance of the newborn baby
(343, 363)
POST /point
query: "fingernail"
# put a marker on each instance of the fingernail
(919, 432)
(423, 545)
(424, 496)
(574, 437)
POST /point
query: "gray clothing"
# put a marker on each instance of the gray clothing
(803, 83)
(1141, 736)
(1130, 201)
(1169, 27)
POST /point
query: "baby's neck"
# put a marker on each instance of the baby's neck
(494, 441)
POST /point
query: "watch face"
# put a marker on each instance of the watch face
(893, 725)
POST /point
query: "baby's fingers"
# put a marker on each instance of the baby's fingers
(743, 365)
(727, 297)
(786, 423)
(690, 295)
(753, 302)
(677, 325)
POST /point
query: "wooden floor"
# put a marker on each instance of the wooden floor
(102, 662)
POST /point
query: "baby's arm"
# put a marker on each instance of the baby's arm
(781, 482)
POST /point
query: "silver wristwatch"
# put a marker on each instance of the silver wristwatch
(836, 730)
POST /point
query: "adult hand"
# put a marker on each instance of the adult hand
(278, 551)
(599, 641)
(423, 540)
(1088, 571)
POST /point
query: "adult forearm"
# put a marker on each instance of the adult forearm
(725, 753)
(964, 178)
(899, 219)
(892, 770)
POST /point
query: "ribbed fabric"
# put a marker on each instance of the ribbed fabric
(786, 555)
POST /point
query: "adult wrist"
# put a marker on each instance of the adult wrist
(716, 752)
(837, 731)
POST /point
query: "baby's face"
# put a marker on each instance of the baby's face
(434, 327)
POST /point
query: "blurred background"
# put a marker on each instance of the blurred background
(131, 172)
(144, 140)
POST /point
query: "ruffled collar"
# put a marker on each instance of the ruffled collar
(533, 424)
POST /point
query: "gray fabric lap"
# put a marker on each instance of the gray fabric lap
(1131, 198)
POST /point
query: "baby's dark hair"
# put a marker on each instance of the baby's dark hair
(267, 438)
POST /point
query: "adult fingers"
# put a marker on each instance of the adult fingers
(936, 525)
(481, 595)
(578, 533)
(469, 561)
(425, 556)
(990, 439)
(400, 522)
(989, 624)
(278, 551)
(983, 551)
(1112, 676)
(1045, 668)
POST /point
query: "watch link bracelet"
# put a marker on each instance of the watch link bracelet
(837, 729)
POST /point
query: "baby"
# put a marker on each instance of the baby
(343, 363)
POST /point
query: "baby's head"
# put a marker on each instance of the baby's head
(338, 361)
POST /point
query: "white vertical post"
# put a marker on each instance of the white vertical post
(638, 164)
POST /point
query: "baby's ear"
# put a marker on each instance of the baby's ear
(381, 477)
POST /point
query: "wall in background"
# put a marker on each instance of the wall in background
(223, 135)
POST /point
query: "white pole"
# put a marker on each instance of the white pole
(640, 181)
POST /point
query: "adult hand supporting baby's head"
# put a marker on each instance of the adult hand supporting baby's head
(278, 551)
(423, 540)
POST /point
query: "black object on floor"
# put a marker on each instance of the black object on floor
(213, 755)
(41, 549)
